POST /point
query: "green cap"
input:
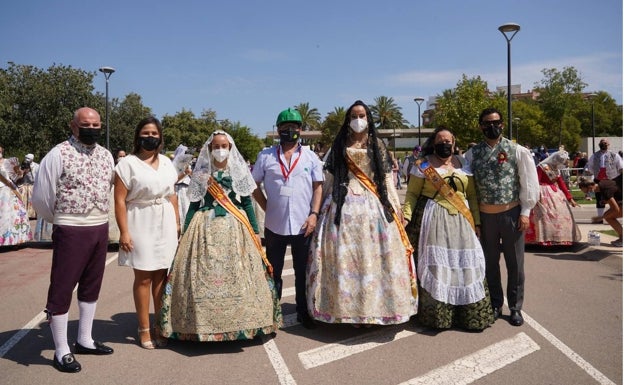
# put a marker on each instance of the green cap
(289, 115)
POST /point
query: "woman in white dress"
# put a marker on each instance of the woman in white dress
(146, 209)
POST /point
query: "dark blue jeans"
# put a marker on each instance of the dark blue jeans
(276, 250)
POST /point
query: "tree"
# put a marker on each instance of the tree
(387, 114)
(559, 92)
(331, 125)
(458, 109)
(37, 105)
(123, 119)
(311, 118)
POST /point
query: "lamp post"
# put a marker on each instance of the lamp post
(418, 101)
(107, 71)
(591, 99)
(509, 30)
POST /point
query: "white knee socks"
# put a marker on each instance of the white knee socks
(85, 323)
(58, 326)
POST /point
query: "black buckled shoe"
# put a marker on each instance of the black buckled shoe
(498, 312)
(68, 364)
(99, 350)
(516, 318)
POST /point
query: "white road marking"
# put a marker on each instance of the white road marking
(279, 365)
(479, 364)
(288, 272)
(288, 291)
(4, 349)
(345, 348)
(572, 355)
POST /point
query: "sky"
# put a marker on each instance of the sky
(249, 60)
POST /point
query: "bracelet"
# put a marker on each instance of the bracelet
(314, 213)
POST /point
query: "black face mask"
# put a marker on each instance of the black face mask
(289, 136)
(149, 143)
(89, 136)
(603, 146)
(493, 132)
(443, 150)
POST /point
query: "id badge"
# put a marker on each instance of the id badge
(286, 191)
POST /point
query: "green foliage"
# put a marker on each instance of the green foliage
(37, 106)
(458, 109)
(310, 117)
(387, 114)
(331, 125)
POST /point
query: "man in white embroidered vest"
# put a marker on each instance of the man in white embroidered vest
(507, 189)
(72, 191)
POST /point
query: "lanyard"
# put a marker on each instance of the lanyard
(284, 173)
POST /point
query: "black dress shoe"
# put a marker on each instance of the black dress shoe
(498, 311)
(516, 318)
(306, 321)
(68, 364)
(99, 350)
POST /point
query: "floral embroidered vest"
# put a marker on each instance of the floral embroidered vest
(496, 172)
(86, 179)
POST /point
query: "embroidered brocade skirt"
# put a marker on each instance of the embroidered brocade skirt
(218, 288)
(551, 220)
(358, 273)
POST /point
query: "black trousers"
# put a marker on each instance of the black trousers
(499, 232)
(276, 250)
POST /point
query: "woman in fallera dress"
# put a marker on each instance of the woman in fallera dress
(552, 221)
(442, 223)
(360, 270)
(220, 287)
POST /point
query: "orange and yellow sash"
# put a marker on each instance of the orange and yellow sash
(217, 192)
(370, 186)
(447, 192)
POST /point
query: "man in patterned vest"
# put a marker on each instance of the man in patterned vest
(72, 191)
(507, 189)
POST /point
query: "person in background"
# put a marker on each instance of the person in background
(220, 287)
(119, 154)
(146, 209)
(14, 223)
(611, 192)
(182, 158)
(396, 172)
(409, 162)
(360, 270)
(444, 229)
(603, 164)
(292, 176)
(27, 173)
(551, 220)
(71, 191)
(507, 190)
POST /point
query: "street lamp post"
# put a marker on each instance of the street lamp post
(511, 29)
(418, 101)
(107, 71)
(591, 99)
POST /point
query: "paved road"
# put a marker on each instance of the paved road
(572, 335)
